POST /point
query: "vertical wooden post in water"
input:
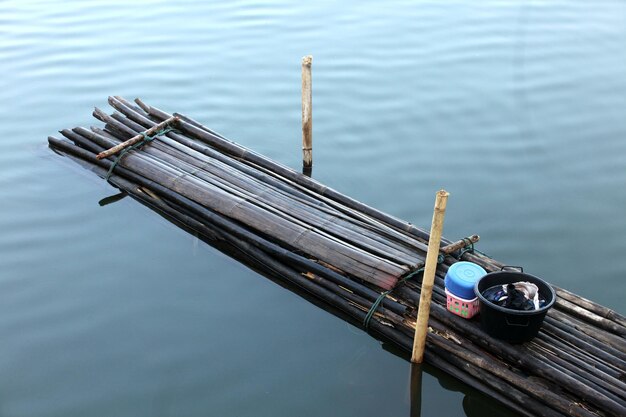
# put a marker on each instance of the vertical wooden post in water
(436, 228)
(416, 390)
(307, 114)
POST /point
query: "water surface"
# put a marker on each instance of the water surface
(516, 108)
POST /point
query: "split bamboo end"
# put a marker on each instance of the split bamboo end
(441, 199)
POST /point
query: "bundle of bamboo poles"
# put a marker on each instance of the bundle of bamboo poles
(344, 254)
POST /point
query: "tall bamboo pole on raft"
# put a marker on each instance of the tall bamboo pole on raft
(307, 113)
(436, 229)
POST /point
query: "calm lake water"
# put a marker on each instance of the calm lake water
(516, 108)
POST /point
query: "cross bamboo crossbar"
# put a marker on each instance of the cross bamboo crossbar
(342, 255)
(172, 121)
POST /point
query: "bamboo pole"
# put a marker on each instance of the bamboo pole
(448, 249)
(154, 129)
(589, 305)
(591, 317)
(436, 229)
(307, 113)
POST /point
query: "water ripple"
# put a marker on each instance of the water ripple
(516, 108)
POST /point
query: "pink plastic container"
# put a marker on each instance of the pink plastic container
(462, 307)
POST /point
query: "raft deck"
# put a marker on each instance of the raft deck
(345, 254)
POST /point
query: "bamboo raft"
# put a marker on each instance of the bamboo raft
(344, 255)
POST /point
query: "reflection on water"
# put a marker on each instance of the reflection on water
(516, 109)
(475, 404)
(112, 199)
(416, 390)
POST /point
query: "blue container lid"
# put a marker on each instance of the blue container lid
(461, 278)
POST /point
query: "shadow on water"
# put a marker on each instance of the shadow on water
(112, 199)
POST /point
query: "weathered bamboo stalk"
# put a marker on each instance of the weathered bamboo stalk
(247, 211)
(514, 398)
(460, 244)
(584, 348)
(335, 223)
(517, 381)
(579, 369)
(590, 381)
(202, 133)
(385, 229)
(599, 359)
(598, 309)
(103, 141)
(172, 121)
(596, 333)
(428, 279)
(307, 113)
(185, 144)
(588, 356)
(269, 200)
(591, 317)
(277, 251)
(520, 357)
(237, 182)
(389, 234)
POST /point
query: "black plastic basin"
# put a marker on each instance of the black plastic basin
(504, 323)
